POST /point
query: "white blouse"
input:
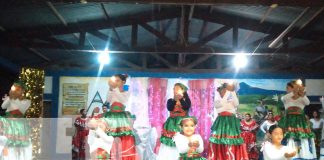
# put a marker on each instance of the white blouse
(317, 124)
(227, 103)
(16, 104)
(116, 96)
(270, 152)
(99, 139)
(182, 142)
(266, 125)
(300, 102)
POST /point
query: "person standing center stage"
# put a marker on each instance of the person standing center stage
(226, 142)
(178, 108)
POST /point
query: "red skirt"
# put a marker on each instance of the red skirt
(124, 148)
(250, 142)
(227, 152)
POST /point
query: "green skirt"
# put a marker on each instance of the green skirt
(170, 127)
(226, 130)
(119, 123)
(17, 130)
(183, 156)
(295, 126)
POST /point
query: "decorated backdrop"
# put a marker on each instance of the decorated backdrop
(149, 96)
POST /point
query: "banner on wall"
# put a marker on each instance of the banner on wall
(75, 96)
(315, 87)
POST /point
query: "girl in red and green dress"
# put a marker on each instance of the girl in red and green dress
(100, 143)
(120, 122)
(297, 131)
(14, 125)
(189, 144)
(226, 142)
(178, 108)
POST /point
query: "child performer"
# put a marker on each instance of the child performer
(225, 141)
(99, 142)
(119, 121)
(15, 126)
(274, 150)
(189, 144)
(297, 131)
(178, 108)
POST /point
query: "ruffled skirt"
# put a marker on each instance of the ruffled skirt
(226, 142)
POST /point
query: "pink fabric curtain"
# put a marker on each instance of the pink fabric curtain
(157, 103)
(201, 93)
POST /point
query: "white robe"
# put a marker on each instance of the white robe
(182, 142)
(270, 152)
(99, 139)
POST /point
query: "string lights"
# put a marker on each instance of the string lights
(34, 80)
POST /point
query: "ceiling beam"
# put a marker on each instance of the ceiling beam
(183, 38)
(59, 16)
(134, 35)
(313, 48)
(156, 33)
(214, 16)
(255, 44)
(116, 43)
(211, 36)
(235, 36)
(107, 17)
(312, 18)
(166, 26)
(198, 61)
(82, 38)
(184, 25)
(127, 20)
(266, 27)
(184, 70)
(212, 71)
(316, 60)
(251, 32)
(57, 13)
(306, 26)
(275, 42)
(39, 54)
(62, 44)
(144, 61)
(219, 64)
(126, 62)
(203, 29)
(301, 3)
(166, 62)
